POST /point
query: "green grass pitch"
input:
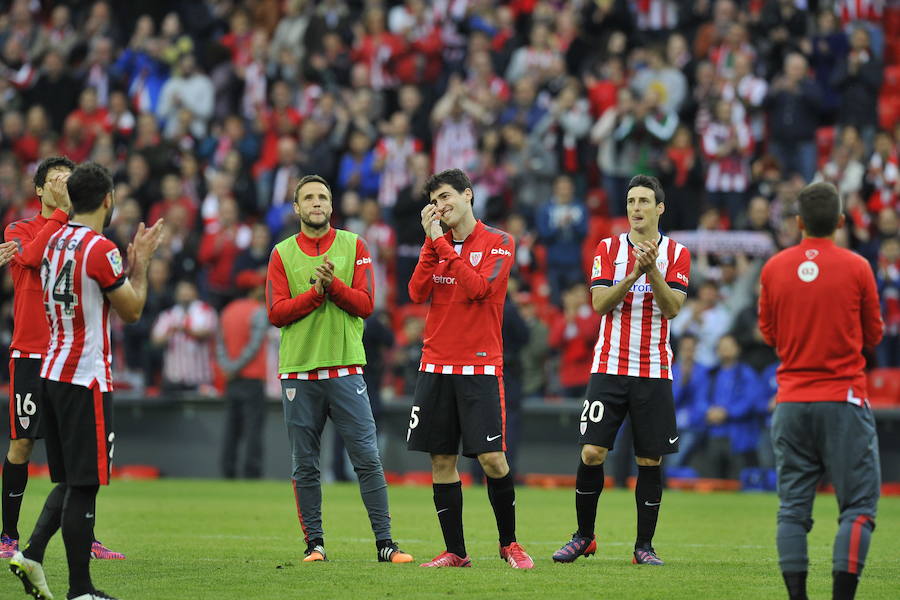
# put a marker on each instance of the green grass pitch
(188, 539)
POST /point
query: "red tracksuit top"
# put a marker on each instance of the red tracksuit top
(467, 285)
(31, 332)
(818, 307)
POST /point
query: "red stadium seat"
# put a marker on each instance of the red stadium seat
(891, 81)
(888, 110)
(884, 387)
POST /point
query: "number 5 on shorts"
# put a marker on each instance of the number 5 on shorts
(413, 420)
(593, 411)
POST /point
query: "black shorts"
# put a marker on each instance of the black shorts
(79, 433)
(25, 406)
(649, 402)
(448, 408)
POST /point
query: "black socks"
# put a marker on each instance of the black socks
(844, 585)
(78, 533)
(48, 524)
(502, 494)
(795, 582)
(448, 504)
(647, 496)
(588, 485)
(15, 478)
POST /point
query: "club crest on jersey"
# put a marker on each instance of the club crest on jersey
(115, 261)
(475, 258)
(290, 393)
(811, 254)
(24, 422)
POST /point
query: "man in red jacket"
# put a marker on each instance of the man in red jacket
(819, 308)
(459, 391)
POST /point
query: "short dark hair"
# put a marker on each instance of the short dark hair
(455, 178)
(648, 181)
(820, 208)
(53, 162)
(88, 185)
(311, 179)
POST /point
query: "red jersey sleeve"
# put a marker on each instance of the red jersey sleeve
(872, 323)
(31, 249)
(602, 271)
(282, 308)
(766, 312)
(493, 271)
(104, 264)
(420, 283)
(358, 299)
(678, 276)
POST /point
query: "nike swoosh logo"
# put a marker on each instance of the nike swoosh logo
(443, 260)
(674, 439)
(651, 503)
(492, 438)
(442, 510)
(360, 390)
(621, 262)
(88, 515)
(19, 495)
(584, 493)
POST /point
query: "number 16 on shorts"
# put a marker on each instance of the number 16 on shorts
(593, 411)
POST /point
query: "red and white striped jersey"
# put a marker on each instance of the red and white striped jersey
(79, 267)
(859, 10)
(189, 347)
(456, 144)
(634, 336)
(655, 15)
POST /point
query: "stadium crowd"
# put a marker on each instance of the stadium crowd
(208, 113)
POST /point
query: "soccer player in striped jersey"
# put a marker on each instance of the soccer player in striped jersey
(27, 239)
(639, 282)
(83, 276)
(459, 392)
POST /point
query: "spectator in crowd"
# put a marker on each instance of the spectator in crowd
(669, 82)
(530, 167)
(573, 334)
(188, 89)
(172, 194)
(186, 333)
(689, 382)
(407, 217)
(391, 154)
(858, 79)
(887, 276)
(706, 319)
(536, 352)
(409, 356)
(681, 174)
(222, 242)
(731, 397)
(728, 146)
(794, 102)
(141, 355)
(561, 225)
(357, 167)
(55, 89)
(241, 354)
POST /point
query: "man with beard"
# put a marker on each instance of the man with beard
(319, 288)
(83, 276)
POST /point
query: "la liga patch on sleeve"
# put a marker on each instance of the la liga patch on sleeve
(115, 261)
(595, 271)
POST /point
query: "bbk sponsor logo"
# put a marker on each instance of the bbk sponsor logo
(363, 261)
(502, 251)
(444, 279)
